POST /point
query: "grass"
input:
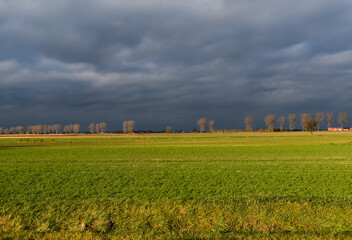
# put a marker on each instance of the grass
(174, 186)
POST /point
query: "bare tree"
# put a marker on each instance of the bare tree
(211, 125)
(305, 118)
(281, 121)
(0, 130)
(201, 123)
(42, 129)
(128, 126)
(75, 128)
(72, 128)
(311, 123)
(50, 129)
(56, 128)
(292, 120)
(270, 121)
(20, 129)
(45, 129)
(91, 128)
(125, 127)
(6, 131)
(329, 118)
(102, 126)
(319, 117)
(342, 118)
(33, 129)
(308, 123)
(38, 129)
(66, 129)
(131, 125)
(29, 130)
(168, 129)
(97, 128)
(12, 130)
(249, 122)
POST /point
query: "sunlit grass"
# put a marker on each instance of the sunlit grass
(176, 186)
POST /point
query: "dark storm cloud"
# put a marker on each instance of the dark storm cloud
(169, 63)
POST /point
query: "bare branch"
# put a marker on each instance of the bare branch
(270, 121)
(281, 121)
(249, 122)
(201, 123)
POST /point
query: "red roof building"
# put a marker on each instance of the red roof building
(337, 129)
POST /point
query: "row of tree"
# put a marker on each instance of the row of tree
(33, 129)
(97, 127)
(71, 128)
(94, 128)
(128, 126)
(42, 129)
(202, 122)
(308, 122)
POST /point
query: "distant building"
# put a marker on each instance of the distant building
(338, 129)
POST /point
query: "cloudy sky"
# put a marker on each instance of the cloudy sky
(163, 62)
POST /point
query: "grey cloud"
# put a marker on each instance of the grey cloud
(162, 62)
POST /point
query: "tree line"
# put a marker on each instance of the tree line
(308, 123)
(44, 129)
(94, 128)
(35, 129)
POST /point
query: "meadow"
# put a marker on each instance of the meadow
(176, 186)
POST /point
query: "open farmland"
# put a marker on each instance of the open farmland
(254, 185)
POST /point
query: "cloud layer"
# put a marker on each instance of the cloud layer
(171, 62)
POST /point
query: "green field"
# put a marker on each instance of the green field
(176, 186)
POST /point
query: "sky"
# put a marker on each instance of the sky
(168, 63)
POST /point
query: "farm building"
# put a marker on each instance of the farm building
(338, 129)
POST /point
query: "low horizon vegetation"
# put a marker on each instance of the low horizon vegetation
(308, 123)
